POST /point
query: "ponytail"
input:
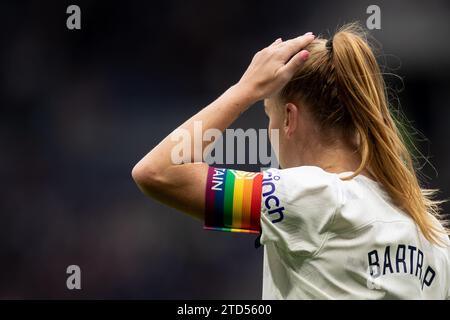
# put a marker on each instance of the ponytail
(343, 84)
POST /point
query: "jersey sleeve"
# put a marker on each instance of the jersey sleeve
(233, 200)
(448, 274)
(297, 208)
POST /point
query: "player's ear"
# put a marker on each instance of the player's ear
(290, 119)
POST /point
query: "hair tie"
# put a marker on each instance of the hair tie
(329, 45)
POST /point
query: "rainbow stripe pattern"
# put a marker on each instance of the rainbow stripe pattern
(233, 200)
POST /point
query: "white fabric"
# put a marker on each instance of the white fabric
(321, 233)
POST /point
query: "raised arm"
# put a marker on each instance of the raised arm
(182, 186)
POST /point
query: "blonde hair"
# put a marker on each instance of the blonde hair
(343, 87)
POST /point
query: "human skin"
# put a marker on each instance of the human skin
(182, 186)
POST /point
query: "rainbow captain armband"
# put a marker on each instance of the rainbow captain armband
(233, 200)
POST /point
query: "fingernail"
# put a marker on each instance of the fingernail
(304, 55)
(308, 33)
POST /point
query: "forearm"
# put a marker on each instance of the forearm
(220, 114)
(181, 184)
(270, 69)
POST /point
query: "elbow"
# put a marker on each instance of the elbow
(137, 173)
(145, 177)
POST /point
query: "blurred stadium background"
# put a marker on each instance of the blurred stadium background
(79, 108)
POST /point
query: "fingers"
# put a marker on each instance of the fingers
(279, 40)
(296, 61)
(294, 46)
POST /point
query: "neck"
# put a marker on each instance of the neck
(335, 159)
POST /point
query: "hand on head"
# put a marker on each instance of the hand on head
(273, 67)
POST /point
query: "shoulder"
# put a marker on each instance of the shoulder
(298, 206)
(300, 182)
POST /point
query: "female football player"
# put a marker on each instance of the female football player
(345, 217)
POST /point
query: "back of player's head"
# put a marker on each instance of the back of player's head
(342, 87)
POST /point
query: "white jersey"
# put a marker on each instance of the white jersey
(325, 238)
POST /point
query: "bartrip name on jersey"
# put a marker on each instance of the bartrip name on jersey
(405, 260)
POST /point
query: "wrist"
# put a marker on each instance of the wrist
(245, 94)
